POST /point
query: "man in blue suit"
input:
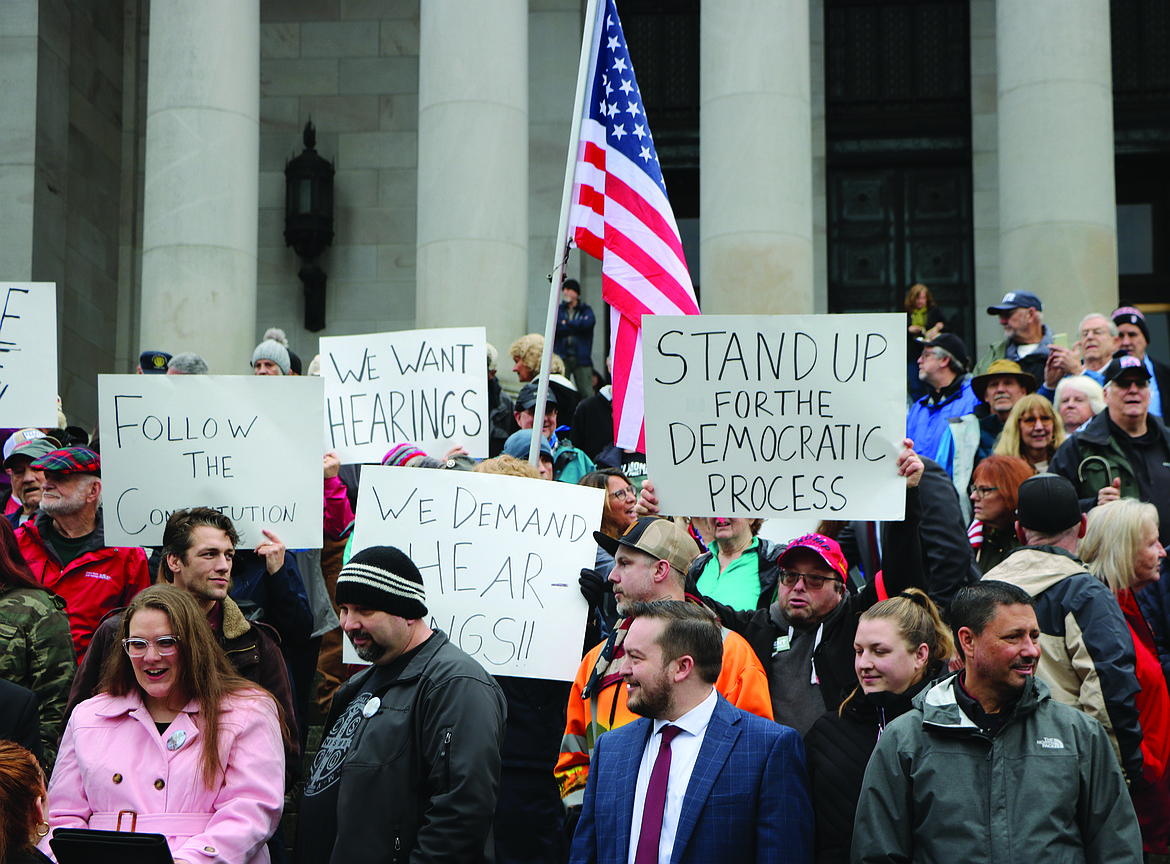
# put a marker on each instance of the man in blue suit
(696, 779)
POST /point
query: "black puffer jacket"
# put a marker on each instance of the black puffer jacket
(837, 749)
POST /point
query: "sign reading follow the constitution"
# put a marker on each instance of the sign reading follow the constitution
(499, 556)
(28, 354)
(797, 416)
(423, 387)
(246, 445)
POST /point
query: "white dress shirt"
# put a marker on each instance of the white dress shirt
(684, 752)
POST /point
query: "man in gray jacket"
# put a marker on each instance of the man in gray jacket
(409, 768)
(987, 767)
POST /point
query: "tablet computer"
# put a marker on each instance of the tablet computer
(89, 846)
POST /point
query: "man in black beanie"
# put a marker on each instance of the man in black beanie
(410, 763)
(1087, 657)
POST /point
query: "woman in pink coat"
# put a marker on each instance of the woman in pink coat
(177, 738)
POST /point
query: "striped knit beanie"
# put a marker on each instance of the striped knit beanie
(398, 455)
(383, 578)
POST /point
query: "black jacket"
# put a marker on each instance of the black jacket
(837, 749)
(420, 779)
(19, 720)
(833, 658)
(947, 555)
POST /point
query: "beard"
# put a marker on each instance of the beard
(652, 698)
(371, 652)
(63, 506)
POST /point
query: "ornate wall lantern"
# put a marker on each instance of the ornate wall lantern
(308, 221)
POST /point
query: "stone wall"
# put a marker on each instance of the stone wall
(351, 66)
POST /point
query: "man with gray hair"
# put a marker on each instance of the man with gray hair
(942, 367)
(187, 363)
(1026, 338)
(65, 548)
(1098, 341)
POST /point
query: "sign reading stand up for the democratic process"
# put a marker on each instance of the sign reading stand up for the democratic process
(787, 416)
(28, 354)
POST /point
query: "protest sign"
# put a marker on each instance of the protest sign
(499, 556)
(246, 445)
(798, 416)
(424, 387)
(28, 354)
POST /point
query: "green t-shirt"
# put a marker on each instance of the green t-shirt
(739, 585)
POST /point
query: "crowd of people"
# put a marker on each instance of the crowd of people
(985, 679)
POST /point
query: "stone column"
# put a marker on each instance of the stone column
(202, 181)
(472, 265)
(1058, 231)
(19, 33)
(756, 225)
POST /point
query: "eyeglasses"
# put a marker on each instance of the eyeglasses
(626, 494)
(982, 491)
(1095, 331)
(164, 645)
(1032, 421)
(1127, 383)
(812, 581)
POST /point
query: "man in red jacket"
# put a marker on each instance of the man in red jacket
(65, 544)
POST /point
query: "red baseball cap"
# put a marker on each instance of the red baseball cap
(826, 548)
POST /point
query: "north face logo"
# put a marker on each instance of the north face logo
(1051, 743)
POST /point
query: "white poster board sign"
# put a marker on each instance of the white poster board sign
(28, 354)
(246, 445)
(792, 416)
(423, 387)
(499, 556)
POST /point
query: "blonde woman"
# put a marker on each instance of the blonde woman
(1121, 549)
(1032, 432)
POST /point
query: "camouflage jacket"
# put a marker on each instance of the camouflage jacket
(36, 651)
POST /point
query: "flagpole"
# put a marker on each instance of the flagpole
(588, 40)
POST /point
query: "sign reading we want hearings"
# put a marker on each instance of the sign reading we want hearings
(788, 416)
(428, 387)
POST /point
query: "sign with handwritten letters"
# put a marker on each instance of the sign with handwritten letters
(246, 445)
(797, 416)
(424, 387)
(499, 556)
(28, 354)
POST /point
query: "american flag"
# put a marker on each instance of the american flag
(620, 214)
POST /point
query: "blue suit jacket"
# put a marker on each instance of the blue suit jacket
(747, 799)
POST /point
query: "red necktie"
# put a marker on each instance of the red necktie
(655, 801)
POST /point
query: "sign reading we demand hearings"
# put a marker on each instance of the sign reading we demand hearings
(500, 557)
(798, 416)
(428, 387)
(246, 445)
(28, 354)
